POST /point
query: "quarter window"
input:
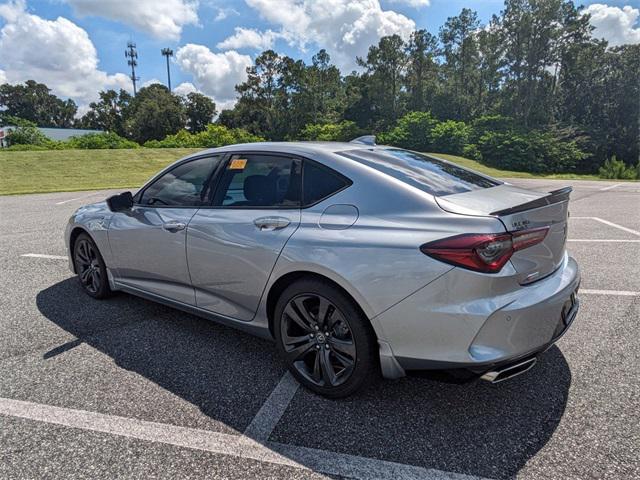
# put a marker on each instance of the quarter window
(183, 186)
(255, 180)
(320, 182)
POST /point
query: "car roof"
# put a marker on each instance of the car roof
(290, 147)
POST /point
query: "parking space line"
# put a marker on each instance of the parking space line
(623, 293)
(610, 187)
(273, 408)
(78, 198)
(607, 240)
(40, 255)
(611, 224)
(239, 446)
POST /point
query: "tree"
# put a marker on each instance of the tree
(155, 112)
(34, 102)
(109, 113)
(199, 111)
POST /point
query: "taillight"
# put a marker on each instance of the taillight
(483, 252)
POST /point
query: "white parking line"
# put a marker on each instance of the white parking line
(608, 240)
(238, 446)
(611, 224)
(78, 198)
(40, 255)
(610, 187)
(623, 293)
(272, 410)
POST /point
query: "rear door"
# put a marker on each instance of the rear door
(148, 241)
(233, 245)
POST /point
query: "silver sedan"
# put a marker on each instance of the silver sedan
(357, 259)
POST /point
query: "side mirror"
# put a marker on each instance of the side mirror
(121, 202)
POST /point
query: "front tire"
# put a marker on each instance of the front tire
(90, 267)
(325, 340)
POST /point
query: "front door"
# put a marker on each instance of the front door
(148, 242)
(233, 245)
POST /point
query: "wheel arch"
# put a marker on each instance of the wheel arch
(280, 285)
(73, 236)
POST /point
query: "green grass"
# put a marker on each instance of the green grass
(73, 170)
(494, 172)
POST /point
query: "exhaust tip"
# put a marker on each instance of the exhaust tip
(502, 374)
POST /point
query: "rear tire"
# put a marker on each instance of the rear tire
(90, 267)
(326, 342)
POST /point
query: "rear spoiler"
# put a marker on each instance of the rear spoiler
(556, 196)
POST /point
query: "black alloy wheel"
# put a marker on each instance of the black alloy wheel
(324, 340)
(90, 267)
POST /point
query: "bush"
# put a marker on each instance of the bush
(98, 141)
(450, 137)
(330, 132)
(213, 136)
(27, 135)
(489, 123)
(413, 131)
(534, 152)
(617, 169)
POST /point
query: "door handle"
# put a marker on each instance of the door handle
(269, 224)
(174, 226)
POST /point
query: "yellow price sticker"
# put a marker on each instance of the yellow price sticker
(238, 164)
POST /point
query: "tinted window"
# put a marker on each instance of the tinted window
(260, 181)
(183, 186)
(429, 174)
(320, 182)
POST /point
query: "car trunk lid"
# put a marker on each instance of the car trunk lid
(519, 209)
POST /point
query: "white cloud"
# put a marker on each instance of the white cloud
(55, 52)
(413, 3)
(185, 88)
(3, 77)
(151, 82)
(161, 18)
(215, 74)
(614, 24)
(249, 38)
(225, 13)
(346, 28)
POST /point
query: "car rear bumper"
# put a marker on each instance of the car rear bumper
(468, 321)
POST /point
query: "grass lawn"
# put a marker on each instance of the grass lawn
(72, 170)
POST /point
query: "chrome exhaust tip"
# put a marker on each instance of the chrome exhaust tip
(502, 374)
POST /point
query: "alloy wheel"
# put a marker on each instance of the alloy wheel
(88, 266)
(318, 340)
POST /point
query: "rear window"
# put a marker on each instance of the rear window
(429, 174)
(320, 182)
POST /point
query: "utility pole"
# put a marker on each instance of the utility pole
(167, 52)
(132, 56)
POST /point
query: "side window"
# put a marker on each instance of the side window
(183, 186)
(320, 182)
(257, 180)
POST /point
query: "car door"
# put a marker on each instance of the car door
(233, 245)
(148, 241)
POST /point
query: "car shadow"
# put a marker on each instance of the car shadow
(473, 428)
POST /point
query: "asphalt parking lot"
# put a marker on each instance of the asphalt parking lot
(128, 388)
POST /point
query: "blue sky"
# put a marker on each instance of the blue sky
(38, 38)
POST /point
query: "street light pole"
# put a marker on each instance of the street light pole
(167, 52)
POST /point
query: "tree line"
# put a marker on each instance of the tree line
(530, 90)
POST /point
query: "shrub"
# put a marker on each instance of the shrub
(27, 135)
(213, 136)
(336, 132)
(450, 137)
(489, 123)
(534, 152)
(97, 141)
(617, 169)
(413, 131)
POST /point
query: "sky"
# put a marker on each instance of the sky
(77, 47)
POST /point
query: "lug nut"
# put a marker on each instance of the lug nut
(311, 335)
(326, 345)
(317, 327)
(317, 347)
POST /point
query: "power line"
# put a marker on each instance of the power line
(167, 52)
(132, 54)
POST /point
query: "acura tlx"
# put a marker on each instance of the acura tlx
(357, 259)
